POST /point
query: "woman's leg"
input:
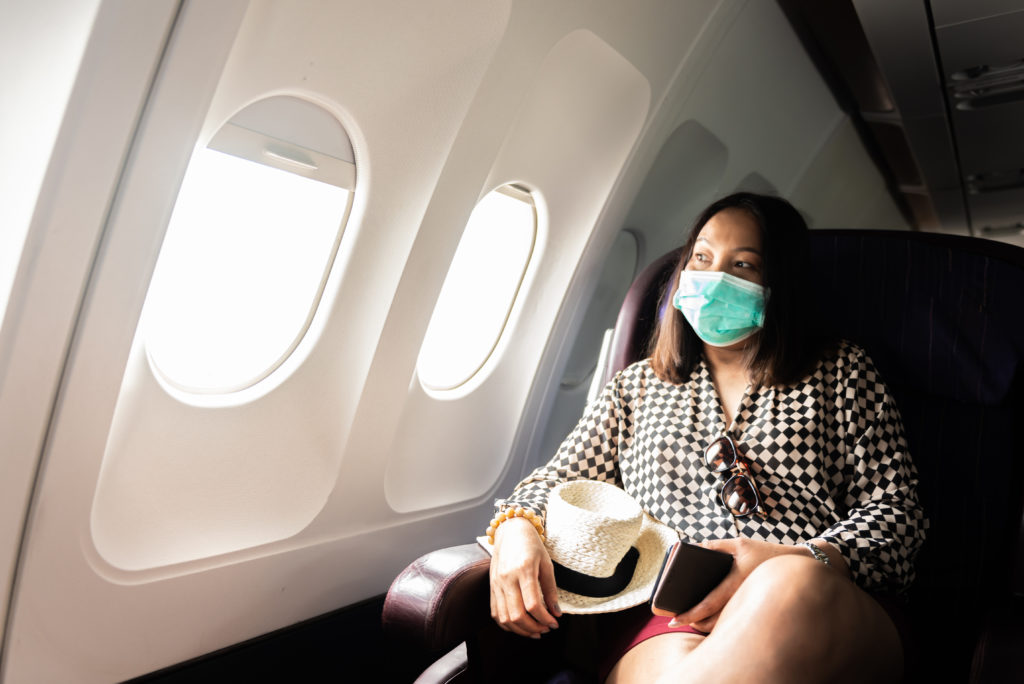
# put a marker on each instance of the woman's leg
(651, 658)
(792, 620)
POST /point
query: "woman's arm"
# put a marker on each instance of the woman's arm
(885, 525)
(524, 599)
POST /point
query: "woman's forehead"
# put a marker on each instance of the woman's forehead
(732, 228)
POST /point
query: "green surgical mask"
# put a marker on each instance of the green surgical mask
(721, 308)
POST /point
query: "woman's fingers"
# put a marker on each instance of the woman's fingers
(535, 602)
(712, 604)
(747, 555)
(520, 574)
(549, 589)
(706, 611)
(708, 624)
(518, 617)
(499, 608)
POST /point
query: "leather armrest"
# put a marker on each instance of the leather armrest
(436, 599)
(449, 669)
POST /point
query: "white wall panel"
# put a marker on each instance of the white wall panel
(41, 47)
(101, 115)
(587, 103)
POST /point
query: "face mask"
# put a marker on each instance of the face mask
(721, 308)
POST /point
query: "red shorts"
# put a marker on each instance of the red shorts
(623, 630)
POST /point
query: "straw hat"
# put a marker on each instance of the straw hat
(607, 552)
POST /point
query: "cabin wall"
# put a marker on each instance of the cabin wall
(83, 163)
(40, 43)
(749, 112)
(166, 525)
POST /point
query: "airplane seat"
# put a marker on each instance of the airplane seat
(941, 317)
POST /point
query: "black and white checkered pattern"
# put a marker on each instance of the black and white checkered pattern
(828, 456)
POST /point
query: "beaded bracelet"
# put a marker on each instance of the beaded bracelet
(517, 512)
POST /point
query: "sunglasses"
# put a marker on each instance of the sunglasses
(739, 493)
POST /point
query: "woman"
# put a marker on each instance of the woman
(748, 437)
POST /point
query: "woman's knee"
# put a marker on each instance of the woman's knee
(795, 599)
(794, 583)
(810, 614)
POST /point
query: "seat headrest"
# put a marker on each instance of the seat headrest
(940, 313)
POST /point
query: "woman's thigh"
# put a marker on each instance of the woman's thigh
(795, 620)
(791, 620)
(649, 659)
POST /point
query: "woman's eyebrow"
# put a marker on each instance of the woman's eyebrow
(755, 250)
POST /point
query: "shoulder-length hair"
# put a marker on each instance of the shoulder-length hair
(782, 352)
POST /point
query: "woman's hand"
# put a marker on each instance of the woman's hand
(747, 554)
(523, 595)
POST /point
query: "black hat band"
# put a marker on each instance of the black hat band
(598, 587)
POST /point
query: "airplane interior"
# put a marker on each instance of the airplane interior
(291, 292)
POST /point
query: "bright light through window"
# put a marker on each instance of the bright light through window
(240, 271)
(479, 290)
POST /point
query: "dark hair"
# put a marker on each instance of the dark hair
(783, 352)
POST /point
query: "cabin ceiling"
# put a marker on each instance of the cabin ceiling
(936, 90)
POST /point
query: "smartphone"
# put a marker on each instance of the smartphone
(687, 575)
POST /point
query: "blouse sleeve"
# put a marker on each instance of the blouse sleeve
(590, 452)
(884, 525)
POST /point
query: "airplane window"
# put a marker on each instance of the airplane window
(480, 288)
(248, 247)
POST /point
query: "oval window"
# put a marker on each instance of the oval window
(480, 288)
(249, 245)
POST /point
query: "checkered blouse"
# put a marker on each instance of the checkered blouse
(828, 456)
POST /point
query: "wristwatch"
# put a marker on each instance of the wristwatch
(817, 552)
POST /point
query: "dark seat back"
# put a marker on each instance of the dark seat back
(943, 318)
